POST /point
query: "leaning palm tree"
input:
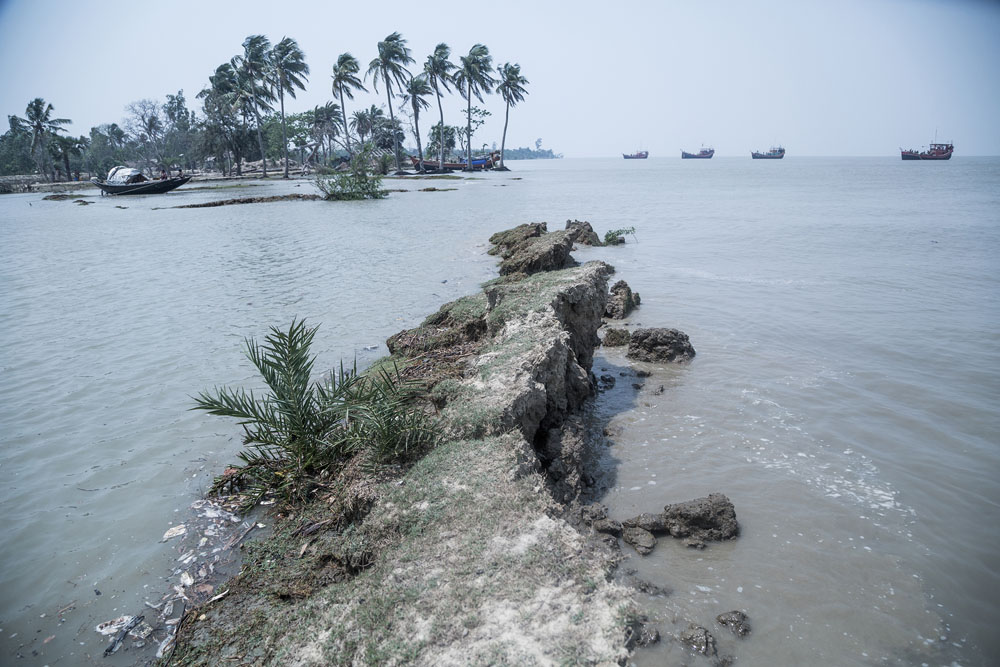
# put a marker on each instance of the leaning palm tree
(438, 69)
(252, 67)
(38, 118)
(393, 57)
(345, 82)
(416, 91)
(472, 78)
(511, 89)
(288, 71)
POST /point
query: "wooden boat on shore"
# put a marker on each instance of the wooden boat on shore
(128, 181)
(638, 155)
(935, 152)
(773, 154)
(478, 162)
(703, 154)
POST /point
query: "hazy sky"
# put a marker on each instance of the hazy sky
(842, 77)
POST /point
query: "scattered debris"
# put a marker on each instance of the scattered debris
(176, 531)
(117, 641)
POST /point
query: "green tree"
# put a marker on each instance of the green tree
(417, 90)
(443, 142)
(438, 69)
(393, 57)
(252, 68)
(345, 82)
(222, 127)
(39, 121)
(473, 78)
(15, 148)
(289, 70)
(511, 89)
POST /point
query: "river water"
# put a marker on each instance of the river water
(844, 396)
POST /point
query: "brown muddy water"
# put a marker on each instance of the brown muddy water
(844, 395)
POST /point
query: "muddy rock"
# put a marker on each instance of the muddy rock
(616, 337)
(641, 540)
(712, 518)
(620, 301)
(657, 344)
(506, 241)
(639, 633)
(736, 621)
(583, 233)
(593, 512)
(653, 523)
(608, 527)
(549, 252)
(699, 640)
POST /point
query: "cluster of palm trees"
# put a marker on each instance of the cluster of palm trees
(249, 84)
(47, 146)
(244, 102)
(245, 88)
(472, 77)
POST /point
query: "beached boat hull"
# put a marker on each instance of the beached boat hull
(477, 163)
(143, 188)
(701, 155)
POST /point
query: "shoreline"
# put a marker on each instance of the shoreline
(484, 550)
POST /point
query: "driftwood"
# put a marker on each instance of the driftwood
(251, 200)
(116, 642)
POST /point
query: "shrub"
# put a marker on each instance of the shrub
(358, 182)
(298, 430)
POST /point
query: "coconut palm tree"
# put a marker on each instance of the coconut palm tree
(38, 118)
(252, 68)
(438, 69)
(416, 91)
(345, 82)
(393, 57)
(361, 122)
(288, 72)
(472, 78)
(511, 89)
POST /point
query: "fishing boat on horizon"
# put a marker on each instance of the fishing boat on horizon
(129, 181)
(776, 153)
(638, 155)
(703, 154)
(935, 152)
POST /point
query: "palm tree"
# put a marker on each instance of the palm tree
(38, 118)
(511, 89)
(367, 121)
(345, 82)
(289, 69)
(393, 57)
(416, 90)
(252, 68)
(438, 69)
(472, 78)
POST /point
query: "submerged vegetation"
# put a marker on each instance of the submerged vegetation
(358, 182)
(299, 433)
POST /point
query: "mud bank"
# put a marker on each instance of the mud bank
(474, 555)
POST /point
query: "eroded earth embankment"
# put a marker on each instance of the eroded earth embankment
(463, 558)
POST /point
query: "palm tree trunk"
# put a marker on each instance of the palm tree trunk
(503, 141)
(440, 127)
(392, 118)
(468, 131)
(416, 127)
(347, 132)
(284, 132)
(260, 139)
